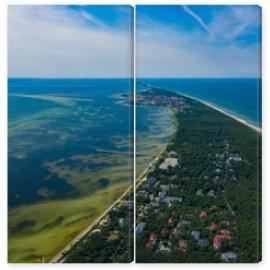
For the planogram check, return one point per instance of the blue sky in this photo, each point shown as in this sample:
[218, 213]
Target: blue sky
[198, 41]
[70, 41]
[95, 41]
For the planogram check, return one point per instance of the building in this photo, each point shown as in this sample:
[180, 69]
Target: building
[172, 154]
[203, 242]
[229, 256]
[211, 193]
[203, 214]
[121, 222]
[162, 248]
[169, 199]
[152, 180]
[196, 235]
[169, 162]
[199, 192]
[217, 242]
[140, 228]
[213, 226]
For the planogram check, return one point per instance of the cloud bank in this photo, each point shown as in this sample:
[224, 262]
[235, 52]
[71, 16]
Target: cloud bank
[58, 42]
[227, 44]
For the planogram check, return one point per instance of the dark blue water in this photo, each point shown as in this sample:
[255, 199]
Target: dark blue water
[42, 131]
[239, 96]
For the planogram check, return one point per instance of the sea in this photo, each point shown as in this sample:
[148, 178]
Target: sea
[71, 137]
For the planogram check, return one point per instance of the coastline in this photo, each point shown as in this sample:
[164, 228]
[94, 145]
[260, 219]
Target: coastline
[223, 111]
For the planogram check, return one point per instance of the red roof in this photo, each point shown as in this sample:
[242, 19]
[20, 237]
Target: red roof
[219, 237]
[149, 245]
[153, 237]
[217, 241]
[203, 214]
[170, 221]
[213, 226]
[225, 232]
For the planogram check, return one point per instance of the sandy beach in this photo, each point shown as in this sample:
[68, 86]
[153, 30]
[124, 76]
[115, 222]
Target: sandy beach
[240, 120]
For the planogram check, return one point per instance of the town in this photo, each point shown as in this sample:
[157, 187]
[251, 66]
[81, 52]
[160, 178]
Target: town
[187, 208]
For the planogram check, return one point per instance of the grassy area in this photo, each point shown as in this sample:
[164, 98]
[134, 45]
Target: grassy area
[41, 230]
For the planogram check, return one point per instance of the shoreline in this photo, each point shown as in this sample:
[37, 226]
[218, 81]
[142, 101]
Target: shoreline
[223, 111]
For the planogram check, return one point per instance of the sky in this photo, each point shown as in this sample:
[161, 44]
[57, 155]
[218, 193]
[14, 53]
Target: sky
[198, 41]
[70, 41]
[96, 41]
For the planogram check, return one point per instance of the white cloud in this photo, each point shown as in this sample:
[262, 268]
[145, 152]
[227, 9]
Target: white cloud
[166, 51]
[198, 19]
[53, 41]
[234, 21]
[89, 17]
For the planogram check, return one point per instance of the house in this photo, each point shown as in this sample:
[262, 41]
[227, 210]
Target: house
[203, 242]
[149, 245]
[162, 194]
[162, 248]
[217, 242]
[229, 256]
[183, 222]
[213, 226]
[170, 220]
[169, 162]
[121, 222]
[196, 235]
[211, 193]
[152, 237]
[172, 154]
[199, 192]
[203, 214]
[140, 228]
[235, 158]
[169, 199]
[182, 245]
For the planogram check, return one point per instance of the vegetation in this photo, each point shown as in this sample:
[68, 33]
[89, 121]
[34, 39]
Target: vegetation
[219, 173]
[110, 242]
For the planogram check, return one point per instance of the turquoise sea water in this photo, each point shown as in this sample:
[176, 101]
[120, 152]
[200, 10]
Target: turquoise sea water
[64, 136]
[61, 133]
[58, 126]
[241, 97]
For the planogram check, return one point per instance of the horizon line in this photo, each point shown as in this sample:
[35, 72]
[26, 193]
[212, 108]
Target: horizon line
[90, 78]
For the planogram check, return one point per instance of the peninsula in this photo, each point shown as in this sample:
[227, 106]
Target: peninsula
[200, 200]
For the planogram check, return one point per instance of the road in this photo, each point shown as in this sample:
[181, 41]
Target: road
[59, 256]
